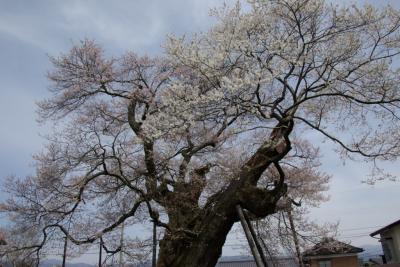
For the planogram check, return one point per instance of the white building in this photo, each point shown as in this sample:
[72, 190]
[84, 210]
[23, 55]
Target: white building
[390, 240]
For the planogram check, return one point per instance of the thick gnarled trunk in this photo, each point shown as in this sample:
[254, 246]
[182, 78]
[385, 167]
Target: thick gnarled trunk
[204, 248]
[196, 235]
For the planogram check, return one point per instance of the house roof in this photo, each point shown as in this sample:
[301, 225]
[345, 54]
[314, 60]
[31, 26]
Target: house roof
[249, 258]
[330, 246]
[236, 259]
[387, 227]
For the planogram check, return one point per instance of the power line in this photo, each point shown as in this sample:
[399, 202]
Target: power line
[242, 241]
[361, 228]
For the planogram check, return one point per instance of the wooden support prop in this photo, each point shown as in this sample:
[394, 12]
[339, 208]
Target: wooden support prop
[295, 239]
[255, 238]
[249, 237]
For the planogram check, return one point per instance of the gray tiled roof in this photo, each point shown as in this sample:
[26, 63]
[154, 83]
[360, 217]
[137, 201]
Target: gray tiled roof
[330, 246]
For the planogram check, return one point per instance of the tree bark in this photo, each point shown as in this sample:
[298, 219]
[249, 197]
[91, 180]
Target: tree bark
[205, 246]
[195, 236]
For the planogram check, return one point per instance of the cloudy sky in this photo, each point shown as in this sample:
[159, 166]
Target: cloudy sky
[30, 31]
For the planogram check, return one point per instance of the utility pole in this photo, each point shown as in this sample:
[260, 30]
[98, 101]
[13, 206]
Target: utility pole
[101, 247]
[250, 239]
[66, 243]
[154, 244]
[121, 255]
[65, 251]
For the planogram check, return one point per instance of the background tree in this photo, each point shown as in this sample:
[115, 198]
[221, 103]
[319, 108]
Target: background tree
[11, 254]
[191, 134]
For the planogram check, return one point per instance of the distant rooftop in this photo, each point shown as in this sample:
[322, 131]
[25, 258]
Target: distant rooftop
[330, 246]
[235, 258]
[248, 261]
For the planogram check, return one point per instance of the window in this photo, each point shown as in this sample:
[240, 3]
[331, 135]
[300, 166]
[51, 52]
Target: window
[324, 263]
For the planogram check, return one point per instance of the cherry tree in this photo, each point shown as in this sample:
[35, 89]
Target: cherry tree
[185, 137]
[16, 257]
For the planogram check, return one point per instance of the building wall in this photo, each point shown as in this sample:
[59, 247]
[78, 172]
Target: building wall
[348, 261]
[396, 238]
[393, 233]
